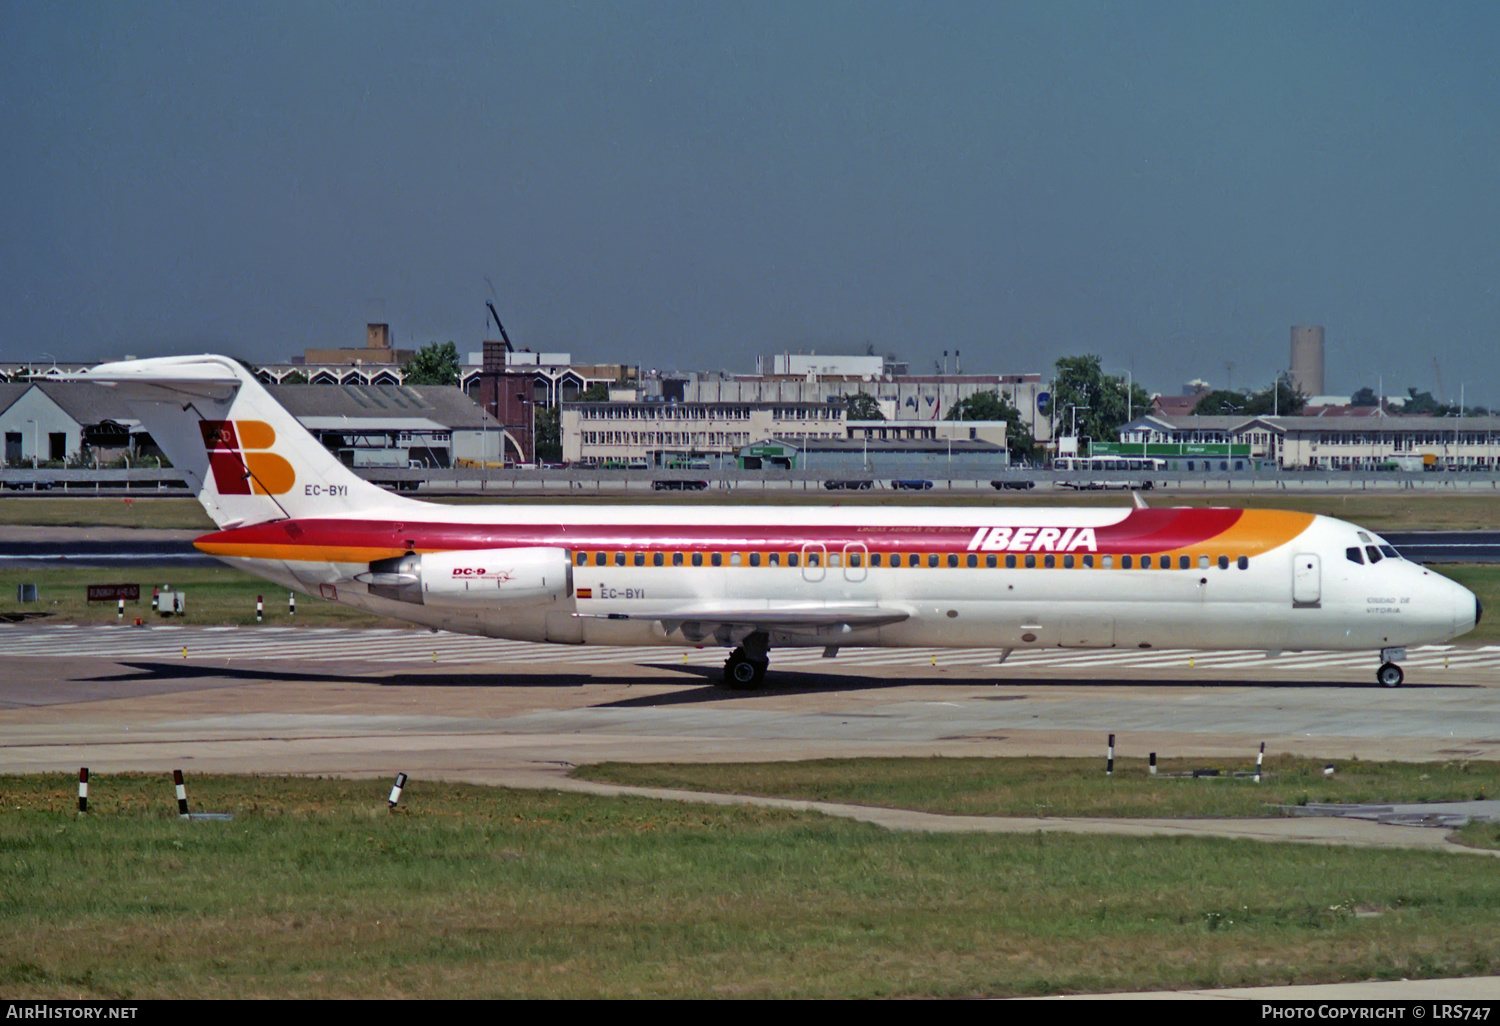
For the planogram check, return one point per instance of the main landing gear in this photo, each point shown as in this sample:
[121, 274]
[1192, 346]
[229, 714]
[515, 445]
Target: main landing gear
[746, 666]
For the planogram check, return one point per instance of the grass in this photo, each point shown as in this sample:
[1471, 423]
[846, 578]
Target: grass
[70, 511]
[1412, 510]
[313, 890]
[1068, 787]
[216, 595]
[1479, 834]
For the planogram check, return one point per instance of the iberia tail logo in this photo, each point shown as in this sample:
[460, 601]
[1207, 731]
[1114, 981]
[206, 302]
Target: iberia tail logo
[237, 453]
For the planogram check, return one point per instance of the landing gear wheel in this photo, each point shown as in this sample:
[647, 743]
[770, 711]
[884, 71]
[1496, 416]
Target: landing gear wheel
[742, 672]
[1389, 675]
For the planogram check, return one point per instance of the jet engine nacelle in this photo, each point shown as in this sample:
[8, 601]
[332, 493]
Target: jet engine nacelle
[473, 577]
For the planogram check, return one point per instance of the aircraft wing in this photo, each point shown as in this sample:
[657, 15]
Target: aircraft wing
[730, 626]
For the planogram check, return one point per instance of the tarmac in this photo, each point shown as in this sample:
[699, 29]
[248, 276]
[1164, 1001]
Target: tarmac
[373, 703]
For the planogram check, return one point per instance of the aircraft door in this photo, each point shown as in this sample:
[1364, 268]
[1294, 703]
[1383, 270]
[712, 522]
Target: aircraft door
[814, 562]
[856, 562]
[1307, 581]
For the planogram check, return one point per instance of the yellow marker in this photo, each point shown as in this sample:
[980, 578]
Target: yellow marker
[684, 659]
[1190, 662]
[184, 651]
[434, 655]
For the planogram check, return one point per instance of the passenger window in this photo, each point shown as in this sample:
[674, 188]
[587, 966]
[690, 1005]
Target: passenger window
[1030, 562]
[735, 559]
[952, 561]
[755, 559]
[582, 559]
[1223, 562]
[1107, 562]
[657, 559]
[1049, 561]
[855, 559]
[1088, 561]
[697, 559]
[990, 561]
[1125, 562]
[773, 559]
[1067, 562]
[1374, 554]
[972, 560]
[914, 560]
[812, 559]
[600, 558]
[1202, 562]
[717, 559]
[619, 559]
[835, 559]
[875, 559]
[640, 559]
[1243, 562]
[1184, 562]
[1145, 562]
[932, 559]
[1355, 556]
[1010, 562]
[676, 559]
[792, 559]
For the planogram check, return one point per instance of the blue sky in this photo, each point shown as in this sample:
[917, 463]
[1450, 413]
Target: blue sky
[1170, 185]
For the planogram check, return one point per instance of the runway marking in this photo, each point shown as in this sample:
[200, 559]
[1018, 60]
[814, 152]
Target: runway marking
[394, 645]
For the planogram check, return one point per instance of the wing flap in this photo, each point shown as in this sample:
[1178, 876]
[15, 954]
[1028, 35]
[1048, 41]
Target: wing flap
[730, 626]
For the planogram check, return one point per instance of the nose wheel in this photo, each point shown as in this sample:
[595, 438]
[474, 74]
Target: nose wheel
[1389, 675]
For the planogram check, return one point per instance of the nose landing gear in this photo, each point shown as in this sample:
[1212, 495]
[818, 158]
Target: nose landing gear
[1389, 675]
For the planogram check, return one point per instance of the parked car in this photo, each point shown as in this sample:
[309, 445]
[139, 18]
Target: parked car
[912, 485]
[678, 486]
[853, 486]
[1019, 486]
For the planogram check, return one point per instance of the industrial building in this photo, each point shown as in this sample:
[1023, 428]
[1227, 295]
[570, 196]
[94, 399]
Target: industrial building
[366, 425]
[906, 459]
[1328, 443]
[658, 434]
[59, 422]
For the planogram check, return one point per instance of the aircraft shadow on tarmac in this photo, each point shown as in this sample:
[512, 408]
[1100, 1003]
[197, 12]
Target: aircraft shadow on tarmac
[179, 672]
[779, 683]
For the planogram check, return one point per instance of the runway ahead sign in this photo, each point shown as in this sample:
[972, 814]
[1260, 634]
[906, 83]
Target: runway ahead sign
[114, 592]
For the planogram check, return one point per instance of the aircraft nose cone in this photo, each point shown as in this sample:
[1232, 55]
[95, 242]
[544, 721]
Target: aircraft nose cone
[1466, 611]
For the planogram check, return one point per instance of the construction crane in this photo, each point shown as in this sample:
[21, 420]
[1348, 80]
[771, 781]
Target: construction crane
[503, 336]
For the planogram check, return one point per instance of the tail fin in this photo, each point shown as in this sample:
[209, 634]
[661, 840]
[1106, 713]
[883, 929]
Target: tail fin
[248, 458]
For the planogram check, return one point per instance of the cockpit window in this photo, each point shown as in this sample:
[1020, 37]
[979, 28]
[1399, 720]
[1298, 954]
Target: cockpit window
[1390, 551]
[1355, 556]
[1362, 536]
[1373, 553]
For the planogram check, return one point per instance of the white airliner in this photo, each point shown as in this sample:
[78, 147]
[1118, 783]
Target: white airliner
[754, 578]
